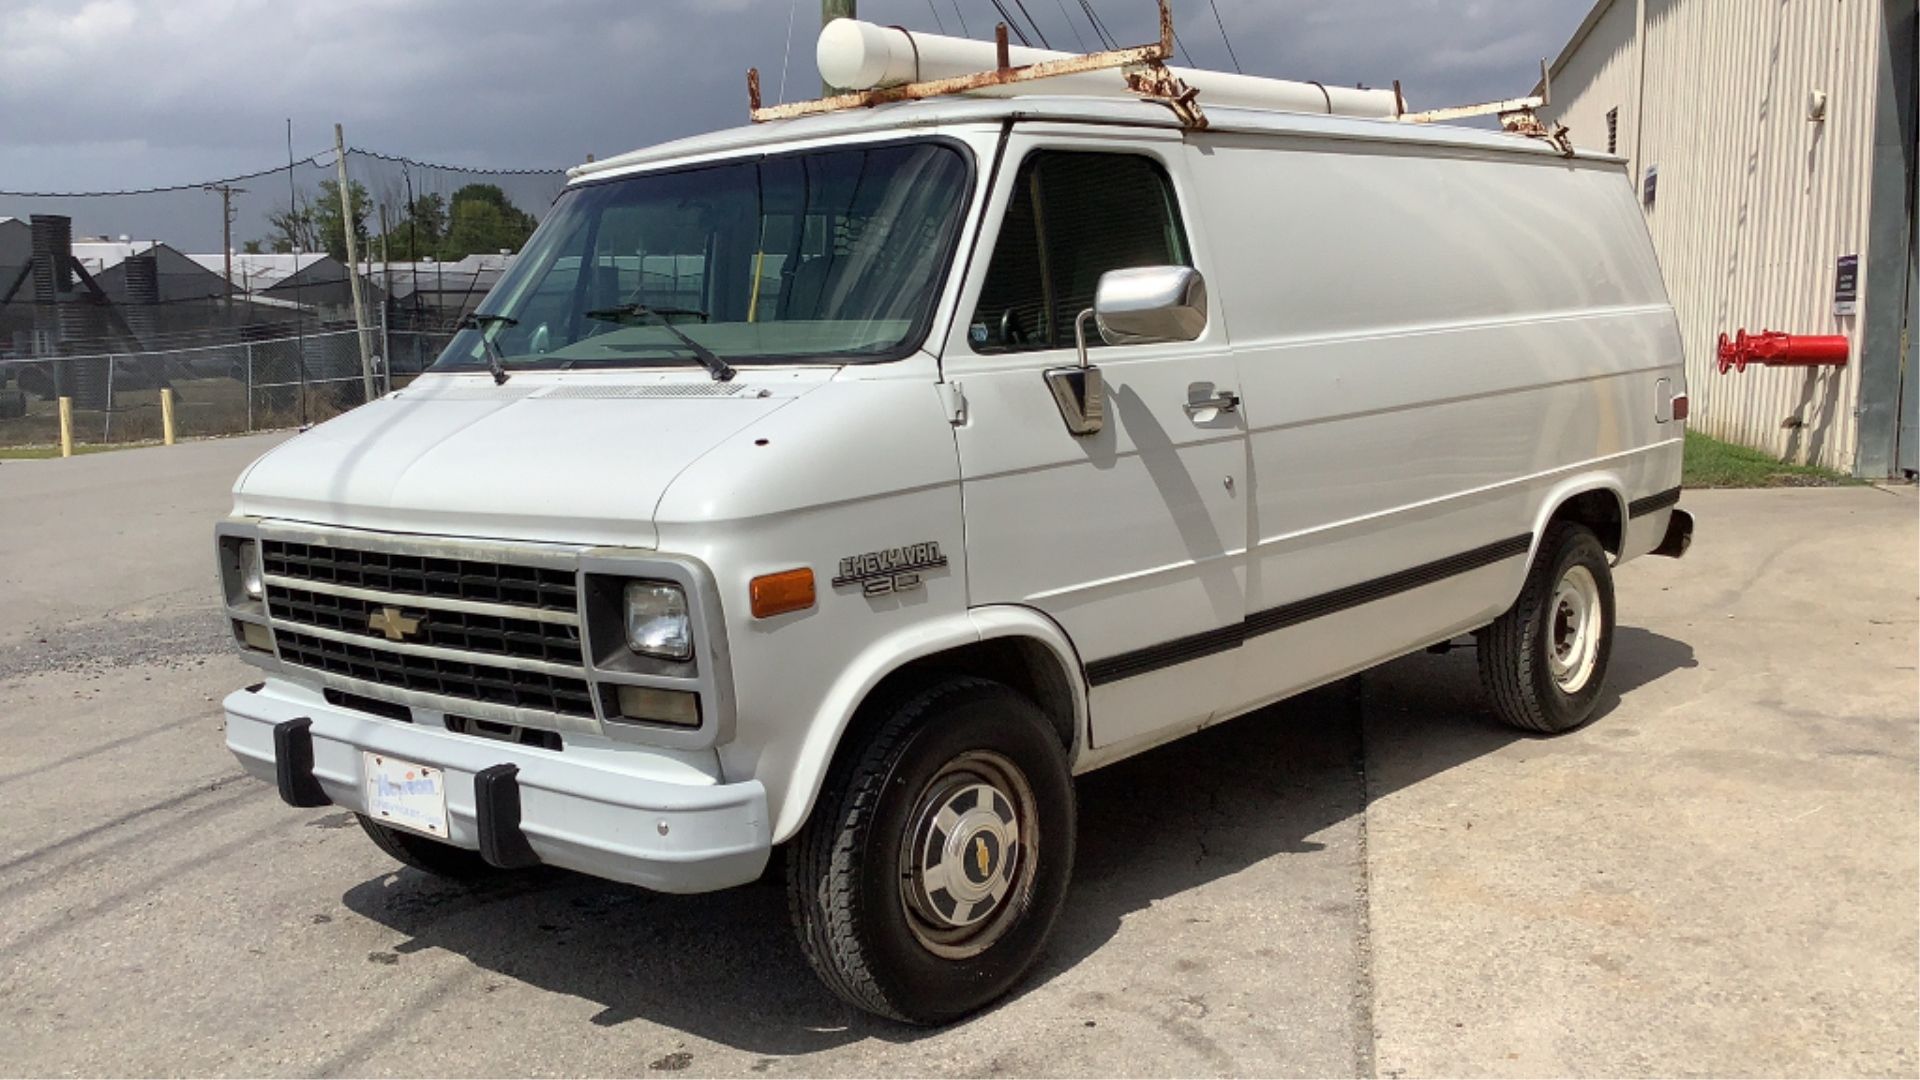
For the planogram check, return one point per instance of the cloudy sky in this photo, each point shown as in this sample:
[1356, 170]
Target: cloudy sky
[113, 94]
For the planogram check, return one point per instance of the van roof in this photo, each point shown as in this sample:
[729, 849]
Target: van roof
[945, 111]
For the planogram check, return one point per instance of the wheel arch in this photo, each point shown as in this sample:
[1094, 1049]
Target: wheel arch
[1596, 500]
[1018, 646]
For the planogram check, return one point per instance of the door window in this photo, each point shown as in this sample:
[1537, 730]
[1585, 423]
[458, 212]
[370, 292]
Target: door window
[1071, 217]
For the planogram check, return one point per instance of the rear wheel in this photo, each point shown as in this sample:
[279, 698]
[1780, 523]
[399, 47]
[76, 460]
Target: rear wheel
[426, 853]
[929, 877]
[1543, 663]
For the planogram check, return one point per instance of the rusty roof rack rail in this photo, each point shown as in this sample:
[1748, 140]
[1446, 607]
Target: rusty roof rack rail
[1148, 76]
[1517, 115]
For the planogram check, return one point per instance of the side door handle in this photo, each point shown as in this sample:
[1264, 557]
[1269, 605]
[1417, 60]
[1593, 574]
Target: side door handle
[1207, 409]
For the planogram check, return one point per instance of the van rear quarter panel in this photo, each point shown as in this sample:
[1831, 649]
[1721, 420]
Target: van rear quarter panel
[1435, 346]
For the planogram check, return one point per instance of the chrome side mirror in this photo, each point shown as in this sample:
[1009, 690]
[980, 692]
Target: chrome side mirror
[1140, 306]
[1150, 304]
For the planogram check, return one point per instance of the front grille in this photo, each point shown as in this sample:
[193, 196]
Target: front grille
[465, 631]
[425, 576]
[432, 675]
[460, 628]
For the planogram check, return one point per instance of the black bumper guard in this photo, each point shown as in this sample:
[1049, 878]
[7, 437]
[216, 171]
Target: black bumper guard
[496, 811]
[496, 795]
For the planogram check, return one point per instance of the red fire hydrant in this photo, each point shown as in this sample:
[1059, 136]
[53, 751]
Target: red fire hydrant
[1775, 349]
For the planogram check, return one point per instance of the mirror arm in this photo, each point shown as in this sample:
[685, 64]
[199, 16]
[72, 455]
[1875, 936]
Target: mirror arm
[1078, 391]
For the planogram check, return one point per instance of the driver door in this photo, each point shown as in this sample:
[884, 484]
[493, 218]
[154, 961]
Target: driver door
[1131, 538]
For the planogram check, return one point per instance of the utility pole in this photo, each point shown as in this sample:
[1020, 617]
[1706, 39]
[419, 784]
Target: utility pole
[226, 192]
[353, 262]
[386, 301]
[829, 11]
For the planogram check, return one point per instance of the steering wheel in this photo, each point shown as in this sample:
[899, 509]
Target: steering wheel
[1010, 332]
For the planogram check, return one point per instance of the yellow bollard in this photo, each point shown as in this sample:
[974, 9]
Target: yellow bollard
[166, 416]
[66, 427]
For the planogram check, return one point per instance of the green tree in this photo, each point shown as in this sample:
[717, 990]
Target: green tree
[480, 219]
[421, 230]
[292, 229]
[312, 223]
[330, 234]
[251, 247]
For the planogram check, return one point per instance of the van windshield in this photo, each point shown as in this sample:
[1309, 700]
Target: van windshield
[830, 256]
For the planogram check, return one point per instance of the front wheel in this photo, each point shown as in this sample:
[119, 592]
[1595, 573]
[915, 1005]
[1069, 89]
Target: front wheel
[936, 860]
[1544, 661]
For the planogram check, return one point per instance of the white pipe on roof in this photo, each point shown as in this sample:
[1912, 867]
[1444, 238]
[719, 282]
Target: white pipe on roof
[861, 55]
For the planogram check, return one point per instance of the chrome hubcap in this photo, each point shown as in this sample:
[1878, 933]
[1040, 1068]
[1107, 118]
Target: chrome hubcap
[967, 867]
[1575, 625]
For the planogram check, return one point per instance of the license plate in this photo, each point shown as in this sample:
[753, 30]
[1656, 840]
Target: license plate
[407, 794]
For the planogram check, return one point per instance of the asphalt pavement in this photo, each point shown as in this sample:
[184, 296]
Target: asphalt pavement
[1721, 875]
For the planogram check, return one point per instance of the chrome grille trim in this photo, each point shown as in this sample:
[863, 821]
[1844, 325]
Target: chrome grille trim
[421, 699]
[484, 636]
[446, 574]
[457, 656]
[546, 690]
[430, 603]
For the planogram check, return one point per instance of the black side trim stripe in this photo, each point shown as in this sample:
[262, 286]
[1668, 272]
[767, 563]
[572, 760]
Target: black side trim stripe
[1314, 607]
[1195, 646]
[1166, 654]
[1653, 504]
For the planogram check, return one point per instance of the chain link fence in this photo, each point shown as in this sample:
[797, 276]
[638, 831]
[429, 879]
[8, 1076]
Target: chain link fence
[224, 389]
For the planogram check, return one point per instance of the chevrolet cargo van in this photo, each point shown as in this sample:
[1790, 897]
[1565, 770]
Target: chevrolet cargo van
[836, 489]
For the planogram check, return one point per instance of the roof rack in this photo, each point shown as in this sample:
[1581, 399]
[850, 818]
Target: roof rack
[1518, 116]
[1148, 77]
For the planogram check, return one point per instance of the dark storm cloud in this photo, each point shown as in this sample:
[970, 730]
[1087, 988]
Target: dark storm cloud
[119, 94]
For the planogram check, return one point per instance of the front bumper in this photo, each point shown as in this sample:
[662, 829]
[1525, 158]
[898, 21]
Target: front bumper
[626, 814]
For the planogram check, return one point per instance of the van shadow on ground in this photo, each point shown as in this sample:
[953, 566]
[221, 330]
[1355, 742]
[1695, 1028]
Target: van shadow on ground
[724, 967]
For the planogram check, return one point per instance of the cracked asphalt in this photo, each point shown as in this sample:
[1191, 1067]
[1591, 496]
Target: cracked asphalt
[1718, 876]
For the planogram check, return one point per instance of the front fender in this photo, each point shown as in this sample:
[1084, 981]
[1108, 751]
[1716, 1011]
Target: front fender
[886, 655]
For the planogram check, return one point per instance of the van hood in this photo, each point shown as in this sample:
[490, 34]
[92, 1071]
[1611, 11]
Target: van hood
[545, 457]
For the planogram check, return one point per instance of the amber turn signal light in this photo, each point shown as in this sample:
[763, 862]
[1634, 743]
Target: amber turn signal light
[777, 594]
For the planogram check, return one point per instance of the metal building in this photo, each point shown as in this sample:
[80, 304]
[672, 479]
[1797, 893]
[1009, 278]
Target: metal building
[1773, 143]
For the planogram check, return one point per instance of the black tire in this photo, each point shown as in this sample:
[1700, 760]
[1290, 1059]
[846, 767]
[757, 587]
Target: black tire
[427, 854]
[853, 881]
[1519, 650]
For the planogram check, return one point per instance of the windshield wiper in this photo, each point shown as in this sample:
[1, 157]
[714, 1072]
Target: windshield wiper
[623, 312]
[718, 368]
[481, 321]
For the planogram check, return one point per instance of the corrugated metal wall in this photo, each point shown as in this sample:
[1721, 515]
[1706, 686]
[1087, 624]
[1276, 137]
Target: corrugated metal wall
[1754, 202]
[1597, 77]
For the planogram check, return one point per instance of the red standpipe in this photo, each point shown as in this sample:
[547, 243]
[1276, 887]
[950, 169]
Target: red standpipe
[1775, 349]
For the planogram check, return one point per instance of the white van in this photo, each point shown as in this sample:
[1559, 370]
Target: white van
[842, 486]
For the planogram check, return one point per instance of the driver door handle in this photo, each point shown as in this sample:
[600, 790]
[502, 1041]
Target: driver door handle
[1206, 409]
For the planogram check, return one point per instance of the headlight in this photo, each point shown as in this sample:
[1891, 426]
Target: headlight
[252, 580]
[657, 620]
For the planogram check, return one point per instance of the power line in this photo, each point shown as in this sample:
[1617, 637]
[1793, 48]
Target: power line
[788, 52]
[321, 159]
[962, 18]
[1012, 22]
[938, 24]
[1077, 39]
[1106, 40]
[196, 185]
[1022, 5]
[364, 152]
[1217, 21]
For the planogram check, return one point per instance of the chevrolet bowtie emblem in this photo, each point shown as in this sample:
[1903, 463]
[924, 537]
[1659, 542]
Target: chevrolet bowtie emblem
[981, 857]
[397, 625]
